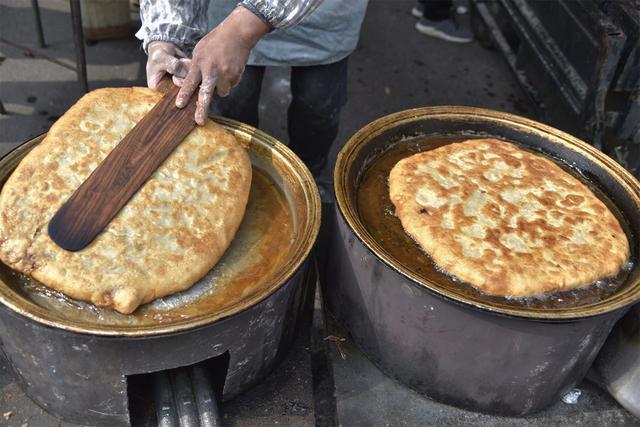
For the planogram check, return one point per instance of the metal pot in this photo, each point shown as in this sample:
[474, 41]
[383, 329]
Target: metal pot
[76, 360]
[452, 345]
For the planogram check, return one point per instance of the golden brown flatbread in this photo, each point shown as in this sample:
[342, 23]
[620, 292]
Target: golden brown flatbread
[507, 221]
[173, 230]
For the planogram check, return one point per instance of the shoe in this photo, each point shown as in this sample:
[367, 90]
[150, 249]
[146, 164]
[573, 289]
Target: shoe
[462, 10]
[447, 30]
[417, 10]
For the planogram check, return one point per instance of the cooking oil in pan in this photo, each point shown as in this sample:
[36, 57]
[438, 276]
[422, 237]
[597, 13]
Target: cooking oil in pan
[377, 213]
[248, 266]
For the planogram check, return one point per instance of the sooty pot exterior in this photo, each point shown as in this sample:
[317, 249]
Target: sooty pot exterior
[460, 355]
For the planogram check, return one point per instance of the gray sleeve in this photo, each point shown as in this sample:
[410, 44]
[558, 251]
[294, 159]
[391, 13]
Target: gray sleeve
[281, 14]
[182, 22]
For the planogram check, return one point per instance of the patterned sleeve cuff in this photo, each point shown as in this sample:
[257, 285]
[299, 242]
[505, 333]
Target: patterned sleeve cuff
[183, 37]
[182, 22]
[247, 5]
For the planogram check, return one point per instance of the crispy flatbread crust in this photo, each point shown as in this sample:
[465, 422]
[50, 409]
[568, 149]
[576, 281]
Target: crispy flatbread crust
[169, 235]
[507, 221]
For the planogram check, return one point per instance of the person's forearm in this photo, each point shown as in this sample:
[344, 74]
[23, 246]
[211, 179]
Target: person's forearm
[243, 26]
[219, 59]
[181, 22]
[280, 14]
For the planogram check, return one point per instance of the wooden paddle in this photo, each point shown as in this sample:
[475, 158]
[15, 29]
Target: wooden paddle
[119, 176]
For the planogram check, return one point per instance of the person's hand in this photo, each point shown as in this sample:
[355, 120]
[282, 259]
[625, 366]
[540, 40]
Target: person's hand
[219, 59]
[165, 57]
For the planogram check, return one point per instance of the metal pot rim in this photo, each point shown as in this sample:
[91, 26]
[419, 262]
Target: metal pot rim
[348, 209]
[307, 234]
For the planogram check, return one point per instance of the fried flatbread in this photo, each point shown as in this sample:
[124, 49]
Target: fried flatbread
[507, 221]
[171, 232]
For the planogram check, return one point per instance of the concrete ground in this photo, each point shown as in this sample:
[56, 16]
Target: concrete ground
[393, 68]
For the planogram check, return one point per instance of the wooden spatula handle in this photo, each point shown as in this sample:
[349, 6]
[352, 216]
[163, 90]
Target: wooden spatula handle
[119, 176]
[165, 85]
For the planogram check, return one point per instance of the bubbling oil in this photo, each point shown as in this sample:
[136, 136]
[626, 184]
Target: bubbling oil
[377, 214]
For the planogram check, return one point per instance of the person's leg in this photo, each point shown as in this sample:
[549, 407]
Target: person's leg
[418, 9]
[437, 10]
[318, 94]
[242, 102]
[439, 20]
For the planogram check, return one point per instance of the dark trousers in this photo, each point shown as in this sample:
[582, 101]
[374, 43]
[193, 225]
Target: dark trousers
[437, 10]
[318, 94]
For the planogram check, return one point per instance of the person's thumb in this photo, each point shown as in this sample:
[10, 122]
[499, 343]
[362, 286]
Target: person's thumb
[154, 78]
[179, 67]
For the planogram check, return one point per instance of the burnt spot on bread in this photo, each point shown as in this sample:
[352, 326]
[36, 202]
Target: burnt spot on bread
[104, 299]
[512, 161]
[29, 263]
[36, 231]
[572, 200]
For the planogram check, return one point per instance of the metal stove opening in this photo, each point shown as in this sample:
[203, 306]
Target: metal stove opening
[187, 396]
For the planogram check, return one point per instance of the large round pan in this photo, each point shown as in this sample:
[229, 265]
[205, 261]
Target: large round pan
[456, 346]
[74, 359]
